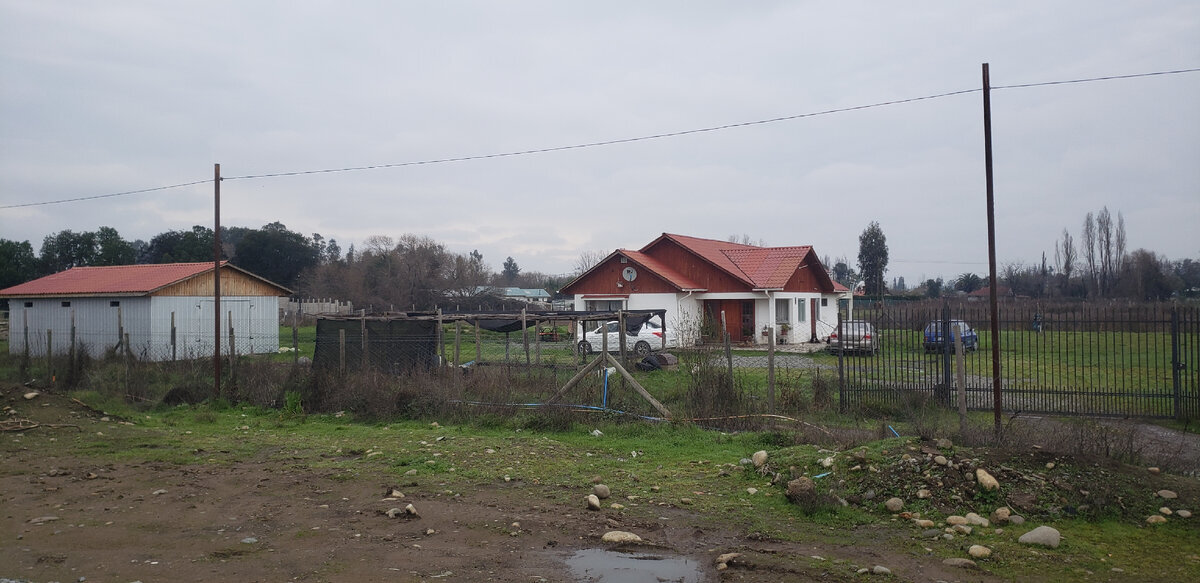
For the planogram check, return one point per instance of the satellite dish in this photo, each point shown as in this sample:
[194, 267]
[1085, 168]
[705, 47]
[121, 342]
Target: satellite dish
[629, 273]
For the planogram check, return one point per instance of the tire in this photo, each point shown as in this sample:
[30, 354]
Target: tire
[642, 348]
[584, 347]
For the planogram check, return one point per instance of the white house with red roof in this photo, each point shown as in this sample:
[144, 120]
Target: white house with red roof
[697, 280]
[157, 312]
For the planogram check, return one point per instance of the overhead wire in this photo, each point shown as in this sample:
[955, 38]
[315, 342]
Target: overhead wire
[603, 142]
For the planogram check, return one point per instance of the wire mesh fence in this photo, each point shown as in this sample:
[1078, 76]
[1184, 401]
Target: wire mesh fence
[1101, 360]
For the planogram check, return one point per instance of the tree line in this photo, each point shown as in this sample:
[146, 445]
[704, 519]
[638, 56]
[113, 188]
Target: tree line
[1097, 265]
[409, 272]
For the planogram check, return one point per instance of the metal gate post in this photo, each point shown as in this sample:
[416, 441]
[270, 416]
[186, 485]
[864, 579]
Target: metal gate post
[944, 396]
[1176, 366]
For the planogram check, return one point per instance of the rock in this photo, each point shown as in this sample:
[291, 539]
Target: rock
[962, 529]
[1049, 465]
[1167, 494]
[868, 495]
[616, 506]
[827, 462]
[943, 443]
[31, 395]
[751, 491]
[159, 492]
[1154, 471]
[408, 510]
[976, 520]
[249, 540]
[601, 491]
[723, 561]
[1183, 513]
[1165, 511]
[42, 519]
[955, 519]
[597, 433]
[620, 536]
[801, 490]
[924, 523]
[1043, 535]
[593, 502]
[979, 551]
[1001, 514]
[894, 504]
[959, 562]
[1156, 519]
[923, 494]
[941, 460]
[881, 570]
[759, 458]
[1016, 519]
[931, 533]
[986, 480]
[394, 493]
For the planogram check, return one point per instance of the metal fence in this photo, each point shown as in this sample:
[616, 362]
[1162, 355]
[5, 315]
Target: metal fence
[1101, 360]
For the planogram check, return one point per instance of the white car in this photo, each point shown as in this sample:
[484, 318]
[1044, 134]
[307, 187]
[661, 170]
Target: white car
[641, 343]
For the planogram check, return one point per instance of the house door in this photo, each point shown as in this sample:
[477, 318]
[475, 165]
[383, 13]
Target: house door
[812, 318]
[739, 319]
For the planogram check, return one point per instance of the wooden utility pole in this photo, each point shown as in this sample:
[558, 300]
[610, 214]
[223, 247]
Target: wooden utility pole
[216, 281]
[991, 217]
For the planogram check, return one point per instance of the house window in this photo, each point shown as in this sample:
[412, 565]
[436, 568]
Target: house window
[604, 305]
[782, 314]
[802, 310]
[824, 302]
[66, 304]
[114, 304]
[28, 304]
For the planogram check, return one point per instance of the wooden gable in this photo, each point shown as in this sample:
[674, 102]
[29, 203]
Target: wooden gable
[708, 276]
[606, 279]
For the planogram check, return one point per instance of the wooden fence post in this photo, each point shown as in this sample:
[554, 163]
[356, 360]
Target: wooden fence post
[232, 352]
[366, 360]
[478, 344]
[457, 341]
[49, 355]
[73, 371]
[525, 336]
[174, 337]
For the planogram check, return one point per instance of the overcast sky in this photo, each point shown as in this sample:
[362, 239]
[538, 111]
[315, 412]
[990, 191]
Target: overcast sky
[108, 97]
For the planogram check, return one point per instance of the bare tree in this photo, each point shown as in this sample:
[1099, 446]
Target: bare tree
[1064, 255]
[588, 260]
[1089, 252]
[1104, 242]
[746, 240]
[1120, 263]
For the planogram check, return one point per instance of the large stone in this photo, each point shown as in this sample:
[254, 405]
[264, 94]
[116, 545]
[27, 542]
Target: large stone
[881, 570]
[986, 480]
[923, 494]
[1043, 535]
[979, 551]
[593, 502]
[620, 536]
[1183, 513]
[894, 504]
[759, 458]
[940, 460]
[801, 489]
[1001, 514]
[601, 491]
[1016, 519]
[955, 519]
[976, 520]
[1156, 519]
[1167, 494]
[924, 523]
[959, 562]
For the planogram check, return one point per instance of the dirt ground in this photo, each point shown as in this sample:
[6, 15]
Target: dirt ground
[65, 518]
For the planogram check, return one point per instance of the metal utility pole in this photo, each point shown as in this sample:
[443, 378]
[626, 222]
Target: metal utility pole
[991, 217]
[216, 281]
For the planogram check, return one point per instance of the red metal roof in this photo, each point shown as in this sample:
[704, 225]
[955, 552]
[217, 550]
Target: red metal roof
[115, 280]
[758, 267]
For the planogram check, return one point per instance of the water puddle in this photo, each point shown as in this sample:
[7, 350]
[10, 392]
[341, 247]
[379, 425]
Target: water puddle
[604, 566]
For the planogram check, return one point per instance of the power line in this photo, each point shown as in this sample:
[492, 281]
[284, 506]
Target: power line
[610, 142]
[606, 142]
[126, 193]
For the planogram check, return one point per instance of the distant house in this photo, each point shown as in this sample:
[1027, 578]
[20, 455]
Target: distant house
[985, 293]
[157, 312]
[697, 280]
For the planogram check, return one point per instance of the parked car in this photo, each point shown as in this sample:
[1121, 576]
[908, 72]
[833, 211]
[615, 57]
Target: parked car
[645, 340]
[857, 336]
[933, 336]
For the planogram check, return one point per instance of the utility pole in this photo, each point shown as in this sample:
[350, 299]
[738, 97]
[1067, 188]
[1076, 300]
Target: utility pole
[216, 281]
[991, 218]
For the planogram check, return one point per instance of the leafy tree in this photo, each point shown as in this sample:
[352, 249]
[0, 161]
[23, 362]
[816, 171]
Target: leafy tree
[968, 282]
[1148, 276]
[511, 271]
[933, 288]
[112, 249]
[873, 258]
[18, 264]
[66, 249]
[842, 272]
[192, 246]
[276, 253]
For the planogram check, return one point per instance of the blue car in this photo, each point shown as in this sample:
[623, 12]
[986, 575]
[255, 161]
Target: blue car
[933, 336]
